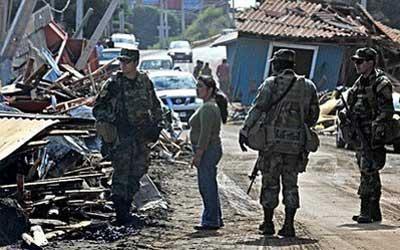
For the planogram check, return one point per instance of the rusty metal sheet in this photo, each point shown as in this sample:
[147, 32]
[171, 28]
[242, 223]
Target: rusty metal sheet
[17, 131]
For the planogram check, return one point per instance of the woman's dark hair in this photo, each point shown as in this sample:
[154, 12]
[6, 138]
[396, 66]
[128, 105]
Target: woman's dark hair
[220, 98]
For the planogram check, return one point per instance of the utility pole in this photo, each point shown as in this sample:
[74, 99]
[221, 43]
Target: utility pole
[79, 30]
[14, 35]
[364, 3]
[79, 18]
[3, 19]
[161, 27]
[96, 35]
[183, 16]
[233, 14]
[121, 17]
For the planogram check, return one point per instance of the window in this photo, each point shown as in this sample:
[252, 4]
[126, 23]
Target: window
[306, 57]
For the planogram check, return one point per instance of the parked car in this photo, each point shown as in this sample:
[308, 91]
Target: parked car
[340, 142]
[177, 90]
[121, 40]
[156, 63]
[108, 55]
[180, 51]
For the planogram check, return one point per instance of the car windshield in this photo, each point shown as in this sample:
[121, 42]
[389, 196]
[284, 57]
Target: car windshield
[173, 82]
[155, 64]
[124, 40]
[180, 44]
[109, 55]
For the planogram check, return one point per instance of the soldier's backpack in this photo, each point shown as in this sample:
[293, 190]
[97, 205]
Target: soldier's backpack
[257, 137]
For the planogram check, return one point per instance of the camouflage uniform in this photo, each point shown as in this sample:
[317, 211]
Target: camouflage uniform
[370, 101]
[128, 105]
[284, 155]
[285, 124]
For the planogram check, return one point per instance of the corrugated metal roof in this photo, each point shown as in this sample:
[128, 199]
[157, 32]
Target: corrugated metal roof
[17, 131]
[281, 18]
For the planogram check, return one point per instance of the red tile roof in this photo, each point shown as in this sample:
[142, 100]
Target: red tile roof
[291, 19]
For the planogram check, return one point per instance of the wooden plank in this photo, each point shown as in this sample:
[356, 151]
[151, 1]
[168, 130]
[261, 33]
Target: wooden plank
[29, 69]
[96, 35]
[48, 201]
[38, 236]
[48, 182]
[17, 30]
[71, 69]
[39, 73]
[57, 132]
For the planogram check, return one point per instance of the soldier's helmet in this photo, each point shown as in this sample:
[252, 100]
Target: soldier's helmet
[366, 53]
[129, 53]
[284, 55]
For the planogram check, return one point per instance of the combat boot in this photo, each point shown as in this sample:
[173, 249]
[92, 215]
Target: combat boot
[375, 209]
[364, 216]
[267, 227]
[288, 227]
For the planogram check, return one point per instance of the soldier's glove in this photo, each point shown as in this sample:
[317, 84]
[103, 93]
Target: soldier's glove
[243, 140]
[343, 117]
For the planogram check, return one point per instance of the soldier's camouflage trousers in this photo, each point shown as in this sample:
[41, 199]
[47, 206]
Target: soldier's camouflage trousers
[130, 161]
[370, 182]
[273, 168]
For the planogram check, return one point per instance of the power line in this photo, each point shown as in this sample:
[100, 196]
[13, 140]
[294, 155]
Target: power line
[58, 11]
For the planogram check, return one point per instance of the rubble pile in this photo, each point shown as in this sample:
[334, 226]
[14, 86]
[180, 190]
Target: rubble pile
[50, 160]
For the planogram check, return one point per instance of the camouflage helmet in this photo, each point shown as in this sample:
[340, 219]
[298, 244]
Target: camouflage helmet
[129, 53]
[284, 55]
[366, 53]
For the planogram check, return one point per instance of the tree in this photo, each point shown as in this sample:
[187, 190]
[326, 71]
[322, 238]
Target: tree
[146, 19]
[209, 23]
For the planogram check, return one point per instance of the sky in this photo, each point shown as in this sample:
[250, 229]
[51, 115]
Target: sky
[244, 3]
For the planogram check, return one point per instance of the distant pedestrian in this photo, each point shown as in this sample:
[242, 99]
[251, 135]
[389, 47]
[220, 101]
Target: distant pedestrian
[206, 70]
[205, 130]
[223, 77]
[197, 68]
[99, 49]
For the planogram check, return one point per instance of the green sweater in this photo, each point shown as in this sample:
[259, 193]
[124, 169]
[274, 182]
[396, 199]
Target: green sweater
[205, 125]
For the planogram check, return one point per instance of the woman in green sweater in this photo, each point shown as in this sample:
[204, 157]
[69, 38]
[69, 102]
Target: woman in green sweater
[205, 126]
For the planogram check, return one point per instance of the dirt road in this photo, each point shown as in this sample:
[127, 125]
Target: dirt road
[328, 201]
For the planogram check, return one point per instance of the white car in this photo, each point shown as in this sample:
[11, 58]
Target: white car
[180, 51]
[121, 40]
[156, 63]
[109, 54]
[177, 90]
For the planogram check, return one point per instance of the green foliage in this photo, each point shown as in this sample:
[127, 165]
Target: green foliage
[145, 20]
[209, 23]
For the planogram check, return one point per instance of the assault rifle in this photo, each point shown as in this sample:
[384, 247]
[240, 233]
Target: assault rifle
[365, 146]
[252, 177]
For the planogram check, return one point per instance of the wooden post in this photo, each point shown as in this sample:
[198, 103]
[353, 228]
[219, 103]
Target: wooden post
[79, 18]
[14, 35]
[17, 29]
[79, 30]
[96, 35]
[3, 19]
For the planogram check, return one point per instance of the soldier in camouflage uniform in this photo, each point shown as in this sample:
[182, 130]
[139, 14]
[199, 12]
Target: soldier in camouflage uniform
[370, 102]
[125, 111]
[284, 155]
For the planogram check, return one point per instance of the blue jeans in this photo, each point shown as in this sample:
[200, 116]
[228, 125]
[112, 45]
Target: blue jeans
[208, 186]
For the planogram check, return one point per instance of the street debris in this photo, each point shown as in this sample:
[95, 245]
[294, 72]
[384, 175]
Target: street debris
[54, 182]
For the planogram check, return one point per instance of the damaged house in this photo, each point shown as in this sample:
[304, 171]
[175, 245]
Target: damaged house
[324, 37]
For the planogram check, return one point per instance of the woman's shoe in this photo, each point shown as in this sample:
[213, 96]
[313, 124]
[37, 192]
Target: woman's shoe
[205, 227]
